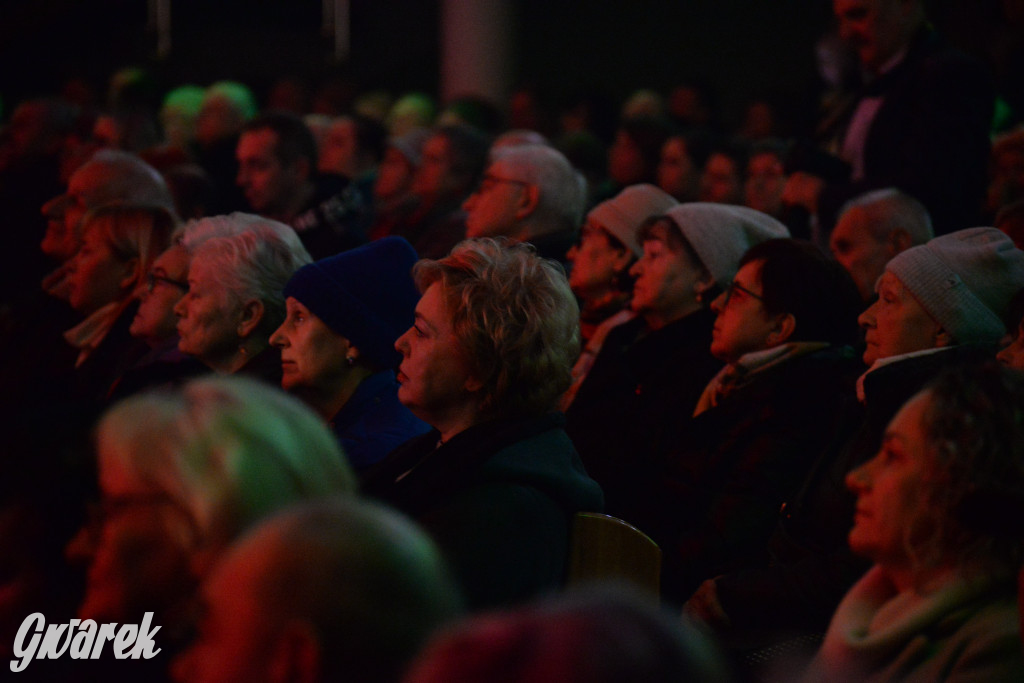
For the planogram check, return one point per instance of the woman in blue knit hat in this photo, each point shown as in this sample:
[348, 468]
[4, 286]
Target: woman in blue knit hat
[337, 345]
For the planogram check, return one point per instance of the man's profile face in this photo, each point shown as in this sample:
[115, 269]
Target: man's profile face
[856, 249]
[493, 208]
[266, 182]
[64, 212]
[874, 29]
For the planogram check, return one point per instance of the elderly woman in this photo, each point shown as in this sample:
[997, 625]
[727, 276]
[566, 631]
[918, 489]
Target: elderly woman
[651, 370]
[498, 480]
[235, 299]
[183, 473]
[608, 247]
[119, 243]
[938, 513]
[337, 345]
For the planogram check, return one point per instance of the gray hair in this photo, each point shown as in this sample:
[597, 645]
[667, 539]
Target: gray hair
[227, 450]
[130, 179]
[562, 189]
[891, 209]
[250, 257]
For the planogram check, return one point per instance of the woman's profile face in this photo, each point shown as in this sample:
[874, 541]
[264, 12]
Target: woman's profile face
[208, 319]
[889, 487]
[97, 276]
[596, 263]
[434, 377]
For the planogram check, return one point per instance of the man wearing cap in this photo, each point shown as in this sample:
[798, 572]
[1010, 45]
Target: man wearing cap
[939, 304]
[653, 369]
[337, 345]
[529, 193]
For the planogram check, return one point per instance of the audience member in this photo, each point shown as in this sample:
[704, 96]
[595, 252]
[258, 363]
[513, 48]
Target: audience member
[453, 160]
[920, 324]
[498, 480]
[937, 514]
[234, 300]
[634, 154]
[652, 370]
[782, 328]
[681, 165]
[337, 345]
[323, 592]
[765, 177]
[393, 199]
[600, 278]
[183, 473]
[591, 637]
[872, 229]
[916, 91]
[721, 182]
[529, 193]
[226, 107]
[120, 242]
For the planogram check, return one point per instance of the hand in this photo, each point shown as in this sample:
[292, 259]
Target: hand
[703, 606]
[803, 189]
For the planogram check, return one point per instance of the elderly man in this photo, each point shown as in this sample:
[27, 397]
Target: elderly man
[872, 229]
[529, 193]
[920, 121]
[110, 176]
[321, 593]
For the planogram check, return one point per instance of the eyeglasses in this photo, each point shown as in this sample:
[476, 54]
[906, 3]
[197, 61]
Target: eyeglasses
[737, 287]
[488, 182]
[152, 279]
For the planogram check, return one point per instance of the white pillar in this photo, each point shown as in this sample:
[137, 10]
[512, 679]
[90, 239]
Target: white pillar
[476, 37]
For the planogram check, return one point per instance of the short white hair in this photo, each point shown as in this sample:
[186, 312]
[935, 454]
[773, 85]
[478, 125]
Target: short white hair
[255, 262]
[892, 209]
[562, 189]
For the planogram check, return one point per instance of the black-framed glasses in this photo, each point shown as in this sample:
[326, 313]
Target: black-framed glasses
[737, 287]
[152, 279]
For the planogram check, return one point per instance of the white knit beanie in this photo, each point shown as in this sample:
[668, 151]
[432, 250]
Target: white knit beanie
[623, 214]
[722, 233]
[964, 280]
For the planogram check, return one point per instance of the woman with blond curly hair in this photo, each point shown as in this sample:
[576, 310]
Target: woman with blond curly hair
[497, 481]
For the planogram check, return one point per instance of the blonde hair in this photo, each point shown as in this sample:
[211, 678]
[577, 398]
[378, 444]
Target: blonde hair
[514, 316]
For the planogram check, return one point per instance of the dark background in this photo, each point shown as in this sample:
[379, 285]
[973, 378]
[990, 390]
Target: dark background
[740, 47]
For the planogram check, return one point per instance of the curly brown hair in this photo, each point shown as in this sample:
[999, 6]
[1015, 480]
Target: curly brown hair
[971, 511]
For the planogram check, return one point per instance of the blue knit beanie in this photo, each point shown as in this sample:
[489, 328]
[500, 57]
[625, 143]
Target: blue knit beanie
[366, 295]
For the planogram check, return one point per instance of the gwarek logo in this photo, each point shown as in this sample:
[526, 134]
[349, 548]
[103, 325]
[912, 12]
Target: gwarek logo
[130, 641]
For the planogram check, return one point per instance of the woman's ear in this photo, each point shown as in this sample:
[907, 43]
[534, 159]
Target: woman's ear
[252, 315]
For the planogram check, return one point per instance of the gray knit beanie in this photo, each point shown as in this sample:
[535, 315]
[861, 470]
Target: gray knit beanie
[964, 280]
[722, 233]
[623, 214]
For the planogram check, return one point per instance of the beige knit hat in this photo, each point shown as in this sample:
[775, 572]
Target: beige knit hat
[722, 233]
[964, 280]
[623, 214]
